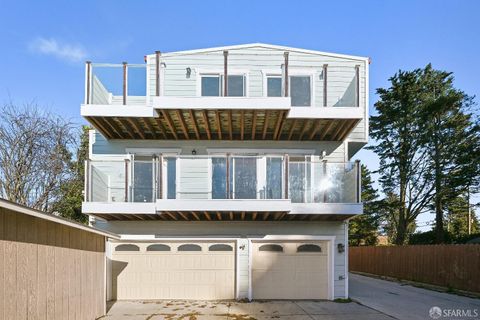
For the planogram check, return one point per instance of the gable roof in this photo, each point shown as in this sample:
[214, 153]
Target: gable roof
[263, 45]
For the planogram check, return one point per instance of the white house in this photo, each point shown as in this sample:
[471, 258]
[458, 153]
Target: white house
[226, 171]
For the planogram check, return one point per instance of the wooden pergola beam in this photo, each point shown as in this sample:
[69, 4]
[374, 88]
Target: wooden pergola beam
[207, 215]
[327, 129]
[219, 124]
[110, 128]
[183, 215]
[207, 124]
[114, 126]
[170, 124]
[242, 123]
[277, 126]
[150, 128]
[230, 125]
[195, 215]
[171, 215]
[254, 123]
[292, 129]
[195, 124]
[306, 124]
[136, 126]
[161, 127]
[182, 124]
[315, 129]
[127, 127]
[265, 125]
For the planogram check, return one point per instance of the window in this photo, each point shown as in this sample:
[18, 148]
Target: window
[274, 86]
[143, 179]
[220, 247]
[271, 248]
[127, 247]
[219, 178]
[211, 86]
[236, 86]
[171, 178]
[300, 91]
[158, 247]
[309, 248]
[274, 178]
[189, 247]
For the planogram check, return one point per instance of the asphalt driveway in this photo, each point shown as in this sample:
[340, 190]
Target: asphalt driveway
[403, 301]
[223, 310]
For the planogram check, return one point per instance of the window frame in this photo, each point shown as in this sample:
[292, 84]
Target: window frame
[220, 72]
[296, 72]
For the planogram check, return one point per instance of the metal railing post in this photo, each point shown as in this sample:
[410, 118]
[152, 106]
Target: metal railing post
[125, 82]
[157, 73]
[228, 177]
[325, 76]
[285, 80]
[286, 176]
[88, 81]
[160, 177]
[127, 162]
[324, 175]
[225, 73]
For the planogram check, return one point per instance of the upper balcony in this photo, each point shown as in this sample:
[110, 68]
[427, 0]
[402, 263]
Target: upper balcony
[178, 100]
[221, 187]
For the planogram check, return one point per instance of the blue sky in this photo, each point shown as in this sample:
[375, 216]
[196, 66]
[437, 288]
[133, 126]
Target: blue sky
[45, 43]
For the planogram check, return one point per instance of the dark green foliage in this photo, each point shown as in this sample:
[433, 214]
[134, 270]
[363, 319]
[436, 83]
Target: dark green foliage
[69, 204]
[363, 229]
[428, 143]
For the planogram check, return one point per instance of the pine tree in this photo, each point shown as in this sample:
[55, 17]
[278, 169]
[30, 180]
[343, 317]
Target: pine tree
[363, 229]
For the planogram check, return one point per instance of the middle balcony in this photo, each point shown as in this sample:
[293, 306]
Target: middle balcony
[220, 187]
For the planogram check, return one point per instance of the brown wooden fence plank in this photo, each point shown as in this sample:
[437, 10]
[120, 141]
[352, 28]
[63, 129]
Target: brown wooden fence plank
[444, 265]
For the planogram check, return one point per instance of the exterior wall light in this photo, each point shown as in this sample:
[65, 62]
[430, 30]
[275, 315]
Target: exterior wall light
[189, 72]
[341, 248]
[194, 152]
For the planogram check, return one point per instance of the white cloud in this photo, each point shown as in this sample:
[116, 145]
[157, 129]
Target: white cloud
[64, 51]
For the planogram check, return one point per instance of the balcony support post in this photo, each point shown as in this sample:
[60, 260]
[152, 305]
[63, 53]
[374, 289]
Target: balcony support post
[228, 176]
[225, 73]
[160, 176]
[285, 80]
[88, 82]
[125, 67]
[286, 176]
[127, 162]
[358, 168]
[157, 73]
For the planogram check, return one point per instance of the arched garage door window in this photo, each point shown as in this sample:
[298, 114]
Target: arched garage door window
[271, 248]
[158, 247]
[189, 247]
[309, 248]
[127, 247]
[220, 247]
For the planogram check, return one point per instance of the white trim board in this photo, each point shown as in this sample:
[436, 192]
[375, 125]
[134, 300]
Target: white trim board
[262, 45]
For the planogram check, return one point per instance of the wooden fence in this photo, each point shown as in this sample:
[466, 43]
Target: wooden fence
[455, 266]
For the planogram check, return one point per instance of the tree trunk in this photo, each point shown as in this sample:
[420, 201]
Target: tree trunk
[439, 232]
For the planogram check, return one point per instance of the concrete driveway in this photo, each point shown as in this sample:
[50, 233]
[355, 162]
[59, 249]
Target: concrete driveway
[403, 301]
[223, 310]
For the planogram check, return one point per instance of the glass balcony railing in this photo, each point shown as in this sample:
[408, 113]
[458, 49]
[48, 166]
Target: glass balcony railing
[222, 177]
[117, 84]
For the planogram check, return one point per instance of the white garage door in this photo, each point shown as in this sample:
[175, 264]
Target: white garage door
[290, 270]
[173, 270]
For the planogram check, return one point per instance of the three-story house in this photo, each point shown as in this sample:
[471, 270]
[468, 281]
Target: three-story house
[227, 171]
